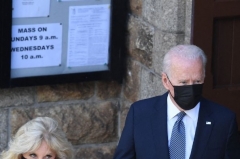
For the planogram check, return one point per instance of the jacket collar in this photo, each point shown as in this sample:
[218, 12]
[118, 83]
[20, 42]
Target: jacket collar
[159, 127]
[203, 130]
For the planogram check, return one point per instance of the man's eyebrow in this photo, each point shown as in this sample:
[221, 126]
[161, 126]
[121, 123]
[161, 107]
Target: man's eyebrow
[182, 80]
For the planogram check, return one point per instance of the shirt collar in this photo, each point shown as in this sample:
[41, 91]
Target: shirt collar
[173, 110]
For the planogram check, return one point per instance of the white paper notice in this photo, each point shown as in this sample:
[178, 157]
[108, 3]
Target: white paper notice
[88, 35]
[36, 45]
[30, 8]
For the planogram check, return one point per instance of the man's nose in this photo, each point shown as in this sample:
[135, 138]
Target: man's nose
[190, 83]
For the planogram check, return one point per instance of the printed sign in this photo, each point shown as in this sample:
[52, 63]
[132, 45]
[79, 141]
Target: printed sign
[30, 8]
[36, 45]
[88, 35]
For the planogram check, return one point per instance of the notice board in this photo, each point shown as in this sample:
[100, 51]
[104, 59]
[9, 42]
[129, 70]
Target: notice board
[60, 41]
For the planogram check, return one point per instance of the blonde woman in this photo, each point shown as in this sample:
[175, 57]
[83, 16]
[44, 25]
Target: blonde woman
[40, 138]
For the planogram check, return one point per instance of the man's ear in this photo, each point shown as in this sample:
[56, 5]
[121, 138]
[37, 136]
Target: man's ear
[165, 81]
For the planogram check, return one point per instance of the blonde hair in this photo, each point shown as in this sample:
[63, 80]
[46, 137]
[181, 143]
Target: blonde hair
[30, 136]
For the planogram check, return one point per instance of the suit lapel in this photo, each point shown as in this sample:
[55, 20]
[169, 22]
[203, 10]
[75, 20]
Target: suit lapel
[203, 130]
[159, 127]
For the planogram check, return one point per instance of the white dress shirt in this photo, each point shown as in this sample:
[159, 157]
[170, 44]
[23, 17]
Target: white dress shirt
[189, 120]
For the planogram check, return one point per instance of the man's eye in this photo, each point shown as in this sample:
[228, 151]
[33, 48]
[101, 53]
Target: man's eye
[183, 83]
[198, 82]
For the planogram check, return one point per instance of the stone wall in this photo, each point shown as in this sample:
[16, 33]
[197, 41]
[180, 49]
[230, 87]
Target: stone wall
[87, 113]
[154, 27]
[92, 114]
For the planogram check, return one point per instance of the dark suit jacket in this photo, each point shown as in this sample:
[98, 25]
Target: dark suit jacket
[145, 133]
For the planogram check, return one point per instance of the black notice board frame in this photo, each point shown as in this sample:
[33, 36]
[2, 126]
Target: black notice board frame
[5, 43]
[117, 49]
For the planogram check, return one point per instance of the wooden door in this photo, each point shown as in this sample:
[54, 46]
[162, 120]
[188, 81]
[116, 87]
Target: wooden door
[216, 29]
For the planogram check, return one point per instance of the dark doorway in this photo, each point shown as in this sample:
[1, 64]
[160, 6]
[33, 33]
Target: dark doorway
[216, 29]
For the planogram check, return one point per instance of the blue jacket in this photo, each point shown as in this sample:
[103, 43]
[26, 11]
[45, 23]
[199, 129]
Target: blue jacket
[145, 133]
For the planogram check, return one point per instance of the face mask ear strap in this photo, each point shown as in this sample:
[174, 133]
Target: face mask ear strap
[168, 79]
[170, 94]
[170, 83]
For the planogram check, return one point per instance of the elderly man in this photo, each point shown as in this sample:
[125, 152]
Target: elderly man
[180, 124]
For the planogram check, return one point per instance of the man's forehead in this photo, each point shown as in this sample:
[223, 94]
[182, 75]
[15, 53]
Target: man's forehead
[189, 67]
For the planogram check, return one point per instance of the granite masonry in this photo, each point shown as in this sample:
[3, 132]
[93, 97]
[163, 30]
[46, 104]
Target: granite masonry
[92, 114]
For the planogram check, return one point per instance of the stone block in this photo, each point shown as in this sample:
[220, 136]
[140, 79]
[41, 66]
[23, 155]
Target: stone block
[3, 129]
[188, 19]
[73, 91]
[151, 84]
[136, 7]
[108, 89]
[173, 16]
[163, 41]
[102, 151]
[132, 82]
[93, 122]
[124, 111]
[16, 96]
[187, 40]
[140, 41]
[152, 11]
[167, 15]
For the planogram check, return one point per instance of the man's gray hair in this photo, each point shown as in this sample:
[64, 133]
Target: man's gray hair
[185, 51]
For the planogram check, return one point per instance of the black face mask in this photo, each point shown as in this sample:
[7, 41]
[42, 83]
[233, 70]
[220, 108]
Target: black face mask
[187, 96]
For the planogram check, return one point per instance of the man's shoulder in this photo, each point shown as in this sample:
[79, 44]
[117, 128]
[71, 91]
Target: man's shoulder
[150, 102]
[216, 107]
